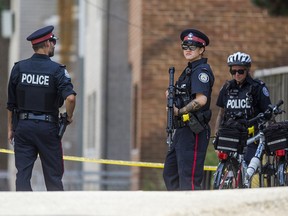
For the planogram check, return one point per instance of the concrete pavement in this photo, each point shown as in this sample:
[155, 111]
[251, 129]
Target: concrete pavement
[263, 201]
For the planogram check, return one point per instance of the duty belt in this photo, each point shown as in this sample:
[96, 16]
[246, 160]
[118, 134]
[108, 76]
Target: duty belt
[180, 124]
[42, 117]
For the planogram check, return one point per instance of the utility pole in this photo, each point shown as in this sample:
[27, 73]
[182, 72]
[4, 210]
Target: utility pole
[4, 44]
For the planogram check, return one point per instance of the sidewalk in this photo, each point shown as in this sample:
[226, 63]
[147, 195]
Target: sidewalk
[262, 202]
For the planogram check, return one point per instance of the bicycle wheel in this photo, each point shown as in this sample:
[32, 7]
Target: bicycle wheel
[225, 176]
[217, 175]
[282, 173]
[240, 183]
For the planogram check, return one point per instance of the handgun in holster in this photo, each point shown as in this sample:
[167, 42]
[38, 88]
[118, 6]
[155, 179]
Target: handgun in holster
[15, 119]
[63, 122]
[193, 122]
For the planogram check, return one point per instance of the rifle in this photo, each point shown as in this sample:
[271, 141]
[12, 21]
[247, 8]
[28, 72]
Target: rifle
[62, 124]
[170, 106]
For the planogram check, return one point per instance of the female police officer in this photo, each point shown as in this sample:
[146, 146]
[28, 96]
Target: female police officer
[241, 94]
[37, 88]
[183, 169]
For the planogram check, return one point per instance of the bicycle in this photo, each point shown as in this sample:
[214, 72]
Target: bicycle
[229, 173]
[271, 146]
[276, 136]
[282, 171]
[231, 170]
[230, 142]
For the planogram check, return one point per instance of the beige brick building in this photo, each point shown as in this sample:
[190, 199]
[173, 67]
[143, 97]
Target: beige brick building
[154, 46]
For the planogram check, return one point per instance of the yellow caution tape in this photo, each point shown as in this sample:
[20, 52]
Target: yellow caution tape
[113, 162]
[6, 151]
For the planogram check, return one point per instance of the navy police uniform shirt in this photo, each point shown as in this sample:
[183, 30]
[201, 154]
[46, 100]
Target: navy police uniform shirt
[201, 79]
[38, 84]
[252, 97]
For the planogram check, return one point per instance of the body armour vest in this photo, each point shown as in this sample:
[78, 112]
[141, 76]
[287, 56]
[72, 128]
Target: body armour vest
[36, 89]
[183, 87]
[239, 101]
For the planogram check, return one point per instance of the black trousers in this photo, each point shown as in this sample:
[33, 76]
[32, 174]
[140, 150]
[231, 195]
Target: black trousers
[250, 152]
[184, 164]
[33, 137]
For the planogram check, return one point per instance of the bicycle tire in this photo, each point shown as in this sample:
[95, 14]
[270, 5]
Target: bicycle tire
[240, 177]
[217, 175]
[282, 173]
[225, 176]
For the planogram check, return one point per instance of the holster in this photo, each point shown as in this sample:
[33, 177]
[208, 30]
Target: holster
[204, 116]
[195, 125]
[15, 119]
[62, 124]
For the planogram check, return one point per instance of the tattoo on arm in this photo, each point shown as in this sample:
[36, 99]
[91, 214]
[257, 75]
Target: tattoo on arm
[191, 107]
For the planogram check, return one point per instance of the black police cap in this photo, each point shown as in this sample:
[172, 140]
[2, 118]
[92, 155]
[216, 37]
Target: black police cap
[195, 37]
[41, 35]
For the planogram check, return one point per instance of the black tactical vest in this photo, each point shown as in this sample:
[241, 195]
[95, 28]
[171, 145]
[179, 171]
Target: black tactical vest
[183, 87]
[36, 89]
[239, 100]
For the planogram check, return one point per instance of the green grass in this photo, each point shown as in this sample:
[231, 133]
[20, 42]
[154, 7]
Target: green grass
[211, 157]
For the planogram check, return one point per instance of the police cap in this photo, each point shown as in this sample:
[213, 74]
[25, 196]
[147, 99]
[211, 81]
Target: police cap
[41, 35]
[194, 37]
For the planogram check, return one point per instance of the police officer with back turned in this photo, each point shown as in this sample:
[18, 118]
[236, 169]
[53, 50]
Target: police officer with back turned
[37, 88]
[184, 164]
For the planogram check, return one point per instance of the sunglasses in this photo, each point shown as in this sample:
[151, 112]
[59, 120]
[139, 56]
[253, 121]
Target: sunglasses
[186, 47]
[53, 41]
[240, 71]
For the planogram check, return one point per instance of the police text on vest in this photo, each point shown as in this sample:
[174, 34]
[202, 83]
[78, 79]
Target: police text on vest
[35, 79]
[238, 103]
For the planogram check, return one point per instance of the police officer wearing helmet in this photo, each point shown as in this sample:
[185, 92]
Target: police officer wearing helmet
[37, 88]
[242, 94]
[184, 164]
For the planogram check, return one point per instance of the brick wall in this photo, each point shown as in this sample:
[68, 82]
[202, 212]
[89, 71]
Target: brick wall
[232, 26]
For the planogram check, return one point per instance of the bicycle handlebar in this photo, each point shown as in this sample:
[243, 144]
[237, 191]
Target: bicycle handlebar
[267, 115]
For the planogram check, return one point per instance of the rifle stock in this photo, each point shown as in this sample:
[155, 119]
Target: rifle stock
[170, 106]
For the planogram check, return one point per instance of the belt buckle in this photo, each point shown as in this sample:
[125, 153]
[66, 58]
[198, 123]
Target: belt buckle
[26, 115]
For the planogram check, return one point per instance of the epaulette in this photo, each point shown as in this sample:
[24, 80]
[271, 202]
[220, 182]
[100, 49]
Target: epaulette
[204, 69]
[229, 84]
[62, 65]
[259, 81]
[16, 63]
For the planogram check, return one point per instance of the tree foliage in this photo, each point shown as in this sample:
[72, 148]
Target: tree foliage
[274, 7]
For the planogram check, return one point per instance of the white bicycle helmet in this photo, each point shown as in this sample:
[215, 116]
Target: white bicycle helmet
[239, 58]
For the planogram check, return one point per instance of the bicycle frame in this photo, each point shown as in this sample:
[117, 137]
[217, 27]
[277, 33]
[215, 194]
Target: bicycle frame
[231, 169]
[268, 170]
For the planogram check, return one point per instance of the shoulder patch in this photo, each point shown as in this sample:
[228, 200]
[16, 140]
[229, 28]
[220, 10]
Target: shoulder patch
[203, 77]
[67, 74]
[265, 91]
